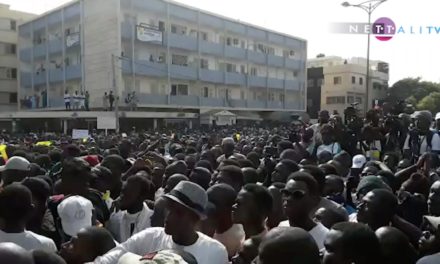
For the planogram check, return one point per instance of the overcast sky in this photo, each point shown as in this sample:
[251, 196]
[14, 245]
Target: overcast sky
[409, 55]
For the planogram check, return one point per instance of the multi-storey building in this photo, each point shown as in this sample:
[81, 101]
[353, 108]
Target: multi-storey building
[9, 21]
[343, 82]
[176, 58]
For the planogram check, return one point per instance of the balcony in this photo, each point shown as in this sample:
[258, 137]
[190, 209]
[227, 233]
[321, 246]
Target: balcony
[73, 72]
[40, 78]
[72, 11]
[256, 104]
[235, 53]
[40, 50]
[275, 105]
[293, 105]
[257, 81]
[211, 48]
[56, 75]
[25, 79]
[292, 85]
[235, 79]
[212, 102]
[256, 57]
[182, 42]
[211, 76]
[148, 99]
[126, 66]
[56, 102]
[26, 55]
[236, 103]
[183, 72]
[275, 83]
[184, 100]
[55, 46]
[276, 61]
[149, 68]
[293, 64]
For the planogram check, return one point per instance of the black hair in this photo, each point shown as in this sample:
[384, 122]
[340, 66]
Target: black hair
[308, 179]
[39, 188]
[204, 164]
[359, 243]
[318, 174]
[388, 200]
[201, 176]
[291, 165]
[71, 151]
[262, 196]
[254, 157]
[289, 154]
[44, 161]
[389, 178]
[328, 169]
[103, 238]
[44, 257]
[176, 167]
[75, 168]
[234, 172]
[15, 202]
[114, 160]
[102, 172]
[250, 175]
[285, 144]
[147, 188]
[230, 162]
[245, 163]
[222, 195]
[55, 155]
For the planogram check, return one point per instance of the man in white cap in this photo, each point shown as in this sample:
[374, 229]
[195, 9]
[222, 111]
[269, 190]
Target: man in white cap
[15, 170]
[162, 257]
[228, 147]
[75, 213]
[186, 205]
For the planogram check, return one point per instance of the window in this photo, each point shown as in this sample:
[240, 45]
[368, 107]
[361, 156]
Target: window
[295, 74]
[243, 69]
[254, 95]
[335, 100]
[254, 71]
[353, 79]
[231, 67]
[319, 82]
[288, 53]
[236, 42]
[179, 89]
[242, 95]
[243, 44]
[204, 36]
[337, 80]
[359, 100]
[7, 48]
[311, 83]
[350, 99]
[13, 25]
[361, 81]
[13, 98]
[270, 50]
[161, 26]
[8, 73]
[204, 64]
[271, 96]
[205, 92]
[227, 94]
[177, 29]
[228, 41]
[377, 86]
[281, 97]
[181, 60]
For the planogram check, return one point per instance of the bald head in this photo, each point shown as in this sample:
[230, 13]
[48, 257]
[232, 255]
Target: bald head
[396, 246]
[11, 253]
[288, 245]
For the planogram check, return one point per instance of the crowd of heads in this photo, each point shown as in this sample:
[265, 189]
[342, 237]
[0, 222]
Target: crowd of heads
[324, 193]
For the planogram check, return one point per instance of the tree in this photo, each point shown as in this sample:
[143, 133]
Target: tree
[412, 87]
[430, 102]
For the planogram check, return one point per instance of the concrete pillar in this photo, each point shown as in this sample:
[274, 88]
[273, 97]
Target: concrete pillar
[155, 123]
[65, 123]
[190, 124]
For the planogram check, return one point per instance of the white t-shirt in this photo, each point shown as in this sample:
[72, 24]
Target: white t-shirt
[435, 143]
[333, 148]
[431, 259]
[206, 250]
[232, 239]
[319, 232]
[29, 241]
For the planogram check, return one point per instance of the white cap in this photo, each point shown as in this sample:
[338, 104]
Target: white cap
[437, 116]
[75, 213]
[164, 256]
[16, 163]
[359, 161]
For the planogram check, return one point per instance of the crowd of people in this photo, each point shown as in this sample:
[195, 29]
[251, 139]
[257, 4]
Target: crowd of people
[332, 192]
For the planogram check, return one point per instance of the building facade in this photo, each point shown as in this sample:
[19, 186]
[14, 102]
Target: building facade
[9, 21]
[315, 78]
[175, 57]
[344, 83]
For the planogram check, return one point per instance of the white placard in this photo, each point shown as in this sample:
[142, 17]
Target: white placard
[146, 34]
[106, 122]
[80, 133]
[72, 40]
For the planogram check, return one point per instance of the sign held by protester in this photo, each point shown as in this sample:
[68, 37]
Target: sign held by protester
[80, 133]
[106, 122]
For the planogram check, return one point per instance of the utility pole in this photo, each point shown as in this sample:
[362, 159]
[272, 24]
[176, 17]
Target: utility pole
[116, 91]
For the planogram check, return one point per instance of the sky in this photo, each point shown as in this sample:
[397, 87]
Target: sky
[409, 55]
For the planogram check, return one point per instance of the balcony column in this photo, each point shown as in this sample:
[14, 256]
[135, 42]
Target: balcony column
[14, 126]
[155, 123]
[190, 125]
[65, 123]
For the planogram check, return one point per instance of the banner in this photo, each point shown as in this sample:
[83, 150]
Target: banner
[80, 133]
[72, 40]
[147, 34]
[3, 153]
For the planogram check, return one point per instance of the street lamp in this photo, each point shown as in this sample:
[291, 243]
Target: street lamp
[369, 7]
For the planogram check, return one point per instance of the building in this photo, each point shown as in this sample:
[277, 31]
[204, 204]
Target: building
[179, 60]
[9, 21]
[315, 78]
[344, 83]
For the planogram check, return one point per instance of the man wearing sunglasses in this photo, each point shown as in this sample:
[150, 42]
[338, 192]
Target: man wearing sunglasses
[300, 196]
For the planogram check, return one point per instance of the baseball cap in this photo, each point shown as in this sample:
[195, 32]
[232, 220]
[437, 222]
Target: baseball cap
[75, 213]
[437, 116]
[161, 257]
[359, 161]
[434, 221]
[16, 163]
